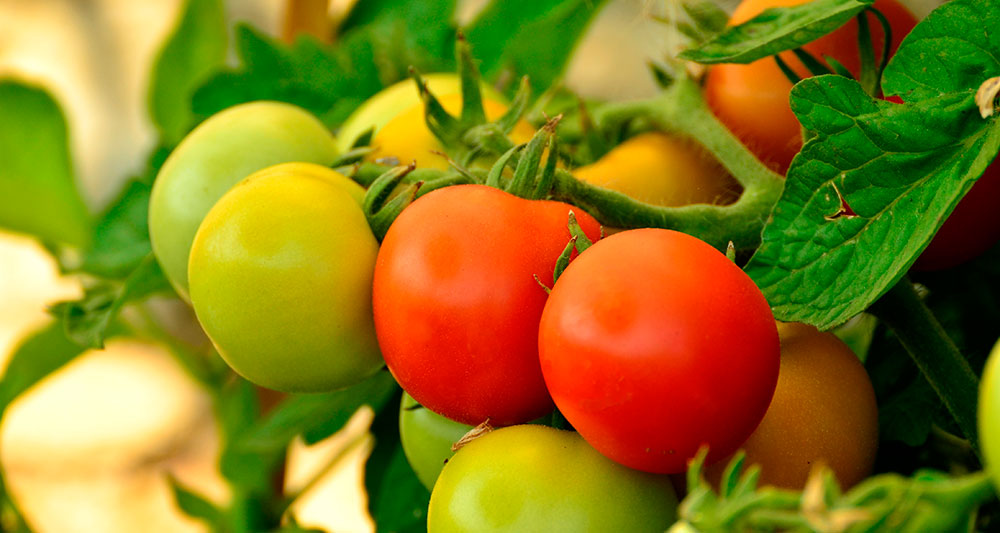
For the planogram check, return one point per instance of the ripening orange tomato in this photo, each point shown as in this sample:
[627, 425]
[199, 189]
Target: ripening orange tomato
[752, 100]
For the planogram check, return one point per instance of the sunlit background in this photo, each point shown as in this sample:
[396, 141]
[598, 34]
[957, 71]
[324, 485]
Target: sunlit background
[89, 448]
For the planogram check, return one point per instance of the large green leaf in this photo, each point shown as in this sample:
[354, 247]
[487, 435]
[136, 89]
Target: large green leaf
[38, 195]
[901, 169]
[776, 30]
[121, 236]
[195, 49]
[530, 37]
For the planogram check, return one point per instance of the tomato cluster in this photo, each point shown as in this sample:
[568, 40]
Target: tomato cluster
[494, 310]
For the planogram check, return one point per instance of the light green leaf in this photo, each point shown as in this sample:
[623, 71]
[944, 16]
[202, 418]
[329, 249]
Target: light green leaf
[38, 195]
[194, 50]
[776, 30]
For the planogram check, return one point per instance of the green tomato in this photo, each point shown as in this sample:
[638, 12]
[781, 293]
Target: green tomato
[427, 438]
[281, 279]
[989, 415]
[536, 478]
[216, 155]
[395, 99]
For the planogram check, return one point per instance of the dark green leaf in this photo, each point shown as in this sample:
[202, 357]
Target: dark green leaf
[315, 416]
[376, 48]
[949, 51]
[420, 33]
[776, 30]
[38, 356]
[38, 195]
[194, 50]
[121, 237]
[397, 500]
[196, 506]
[87, 320]
[900, 168]
[530, 37]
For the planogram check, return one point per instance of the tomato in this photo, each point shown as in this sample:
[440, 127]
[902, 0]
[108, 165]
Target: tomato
[457, 304]
[536, 478]
[281, 272]
[407, 137]
[662, 169]
[971, 229]
[989, 415]
[427, 438]
[823, 411]
[216, 155]
[653, 343]
[397, 98]
[752, 100]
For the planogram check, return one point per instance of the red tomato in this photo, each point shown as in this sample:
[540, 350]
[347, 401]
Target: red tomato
[752, 100]
[971, 229]
[653, 343]
[457, 305]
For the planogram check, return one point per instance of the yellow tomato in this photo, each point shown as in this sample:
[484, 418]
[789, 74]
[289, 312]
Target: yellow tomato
[661, 169]
[407, 137]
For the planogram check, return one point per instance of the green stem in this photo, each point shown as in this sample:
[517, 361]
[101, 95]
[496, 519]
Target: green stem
[682, 109]
[934, 353]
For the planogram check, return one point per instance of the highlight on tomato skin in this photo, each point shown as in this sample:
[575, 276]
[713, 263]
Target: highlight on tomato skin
[653, 343]
[752, 100]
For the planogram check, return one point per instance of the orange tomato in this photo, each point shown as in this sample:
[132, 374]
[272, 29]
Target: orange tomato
[752, 100]
[823, 411]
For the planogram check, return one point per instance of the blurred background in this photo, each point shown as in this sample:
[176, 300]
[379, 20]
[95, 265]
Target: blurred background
[90, 447]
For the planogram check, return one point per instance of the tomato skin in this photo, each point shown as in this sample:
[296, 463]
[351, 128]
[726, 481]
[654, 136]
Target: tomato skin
[407, 138]
[823, 411]
[217, 154]
[536, 478]
[662, 169]
[971, 229]
[653, 343]
[989, 416]
[427, 438]
[397, 98]
[281, 273]
[457, 304]
[752, 100]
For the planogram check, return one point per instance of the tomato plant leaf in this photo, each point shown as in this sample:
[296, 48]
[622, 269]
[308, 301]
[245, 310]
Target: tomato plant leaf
[865, 195]
[38, 194]
[121, 236]
[194, 50]
[949, 51]
[314, 416]
[397, 500]
[38, 355]
[529, 37]
[87, 320]
[776, 30]
[197, 506]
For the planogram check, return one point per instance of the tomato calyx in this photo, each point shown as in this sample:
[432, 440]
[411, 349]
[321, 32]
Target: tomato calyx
[531, 180]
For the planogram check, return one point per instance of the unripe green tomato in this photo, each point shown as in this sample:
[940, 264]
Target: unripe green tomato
[281, 279]
[989, 415]
[220, 152]
[536, 478]
[393, 100]
[427, 438]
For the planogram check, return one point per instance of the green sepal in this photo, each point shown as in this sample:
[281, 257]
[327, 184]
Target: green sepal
[380, 206]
